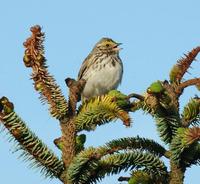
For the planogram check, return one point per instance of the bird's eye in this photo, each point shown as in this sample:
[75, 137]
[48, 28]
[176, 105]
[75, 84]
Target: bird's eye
[107, 45]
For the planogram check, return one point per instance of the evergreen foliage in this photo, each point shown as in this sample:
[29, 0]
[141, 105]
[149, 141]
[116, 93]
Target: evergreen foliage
[141, 157]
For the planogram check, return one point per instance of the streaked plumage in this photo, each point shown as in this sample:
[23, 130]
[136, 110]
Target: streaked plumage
[102, 69]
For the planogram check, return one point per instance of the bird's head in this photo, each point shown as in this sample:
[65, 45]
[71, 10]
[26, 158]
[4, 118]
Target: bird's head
[107, 45]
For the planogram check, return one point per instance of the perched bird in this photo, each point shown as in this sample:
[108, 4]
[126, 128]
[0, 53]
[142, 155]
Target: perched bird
[102, 69]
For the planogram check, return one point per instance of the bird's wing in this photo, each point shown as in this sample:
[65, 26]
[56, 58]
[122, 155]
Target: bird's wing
[84, 67]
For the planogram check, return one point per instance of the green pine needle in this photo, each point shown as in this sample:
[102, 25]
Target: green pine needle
[98, 111]
[132, 143]
[191, 112]
[182, 66]
[184, 141]
[142, 177]
[115, 163]
[167, 127]
[33, 149]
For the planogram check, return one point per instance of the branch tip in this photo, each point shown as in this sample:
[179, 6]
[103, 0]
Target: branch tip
[134, 95]
[183, 85]
[122, 178]
[35, 29]
[182, 66]
[44, 83]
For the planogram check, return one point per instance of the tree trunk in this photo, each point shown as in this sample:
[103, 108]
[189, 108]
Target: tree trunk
[68, 126]
[177, 174]
[68, 139]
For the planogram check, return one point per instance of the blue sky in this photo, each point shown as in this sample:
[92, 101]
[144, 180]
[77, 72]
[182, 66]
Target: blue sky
[154, 35]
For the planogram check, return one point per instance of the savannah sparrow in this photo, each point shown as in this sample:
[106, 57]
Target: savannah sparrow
[102, 69]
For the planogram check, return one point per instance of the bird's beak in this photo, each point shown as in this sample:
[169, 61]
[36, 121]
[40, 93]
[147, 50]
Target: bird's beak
[116, 48]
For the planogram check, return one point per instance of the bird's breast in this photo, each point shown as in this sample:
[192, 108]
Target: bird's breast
[104, 77]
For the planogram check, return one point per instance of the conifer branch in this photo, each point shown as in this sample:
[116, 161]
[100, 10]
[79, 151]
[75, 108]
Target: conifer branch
[185, 84]
[134, 95]
[196, 155]
[98, 111]
[80, 164]
[89, 158]
[123, 178]
[162, 103]
[190, 155]
[140, 176]
[163, 108]
[192, 135]
[44, 83]
[33, 149]
[178, 145]
[139, 155]
[113, 164]
[167, 127]
[178, 70]
[136, 105]
[191, 112]
[182, 142]
[177, 173]
[67, 124]
[123, 101]
[133, 143]
[80, 140]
